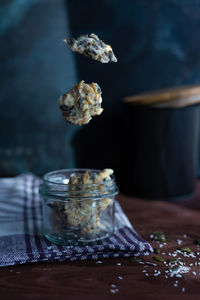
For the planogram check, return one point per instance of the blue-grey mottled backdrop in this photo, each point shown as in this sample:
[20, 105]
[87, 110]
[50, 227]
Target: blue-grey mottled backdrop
[35, 70]
[157, 44]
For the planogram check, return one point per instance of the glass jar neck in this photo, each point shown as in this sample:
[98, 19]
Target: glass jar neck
[57, 184]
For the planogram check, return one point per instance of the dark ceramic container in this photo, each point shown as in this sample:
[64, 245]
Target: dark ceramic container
[160, 152]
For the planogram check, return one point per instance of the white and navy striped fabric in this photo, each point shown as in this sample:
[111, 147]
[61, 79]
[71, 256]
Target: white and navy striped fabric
[21, 239]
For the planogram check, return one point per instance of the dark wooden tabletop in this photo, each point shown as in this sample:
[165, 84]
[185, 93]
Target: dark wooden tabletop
[114, 277]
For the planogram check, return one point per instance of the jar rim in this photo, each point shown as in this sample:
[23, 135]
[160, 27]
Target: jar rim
[73, 170]
[52, 183]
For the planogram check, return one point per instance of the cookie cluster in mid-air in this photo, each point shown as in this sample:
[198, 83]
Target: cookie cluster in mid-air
[90, 45]
[83, 101]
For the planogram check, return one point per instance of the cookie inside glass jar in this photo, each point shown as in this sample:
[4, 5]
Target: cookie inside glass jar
[88, 209]
[86, 214]
[81, 103]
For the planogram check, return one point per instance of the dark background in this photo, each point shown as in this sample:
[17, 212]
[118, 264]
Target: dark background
[156, 42]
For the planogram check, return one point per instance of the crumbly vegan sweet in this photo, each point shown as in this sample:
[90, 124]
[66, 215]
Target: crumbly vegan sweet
[84, 216]
[78, 106]
[90, 45]
[81, 103]
[88, 178]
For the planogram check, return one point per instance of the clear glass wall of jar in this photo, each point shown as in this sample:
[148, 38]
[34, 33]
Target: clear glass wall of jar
[79, 213]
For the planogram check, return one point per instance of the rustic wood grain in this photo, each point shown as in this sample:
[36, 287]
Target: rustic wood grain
[173, 97]
[62, 280]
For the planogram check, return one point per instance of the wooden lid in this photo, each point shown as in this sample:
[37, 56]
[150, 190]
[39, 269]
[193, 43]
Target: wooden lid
[173, 97]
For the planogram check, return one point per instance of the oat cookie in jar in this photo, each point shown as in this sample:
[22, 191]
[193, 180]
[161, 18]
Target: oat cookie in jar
[90, 45]
[81, 103]
[78, 205]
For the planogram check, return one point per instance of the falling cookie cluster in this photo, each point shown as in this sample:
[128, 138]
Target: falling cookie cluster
[83, 101]
[90, 45]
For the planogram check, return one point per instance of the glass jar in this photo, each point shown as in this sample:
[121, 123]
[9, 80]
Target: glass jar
[75, 214]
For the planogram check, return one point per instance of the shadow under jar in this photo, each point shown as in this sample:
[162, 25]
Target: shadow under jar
[76, 214]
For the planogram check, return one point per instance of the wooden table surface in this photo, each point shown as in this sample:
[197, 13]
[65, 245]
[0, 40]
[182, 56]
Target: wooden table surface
[179, 221]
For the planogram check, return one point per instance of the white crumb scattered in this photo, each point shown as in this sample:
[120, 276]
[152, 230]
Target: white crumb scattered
[194, 273]
[150, 263]
[180, 269]
[174, 254]
[158, 273]
[175, 285]
[192, 255]
[113, 291]
[184, 269]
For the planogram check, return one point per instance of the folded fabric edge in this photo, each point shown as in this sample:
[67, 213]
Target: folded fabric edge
[78, 257]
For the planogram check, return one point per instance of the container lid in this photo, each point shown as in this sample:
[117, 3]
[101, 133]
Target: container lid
[172, 97]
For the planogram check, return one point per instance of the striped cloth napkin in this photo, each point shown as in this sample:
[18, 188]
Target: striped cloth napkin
[21, 239]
